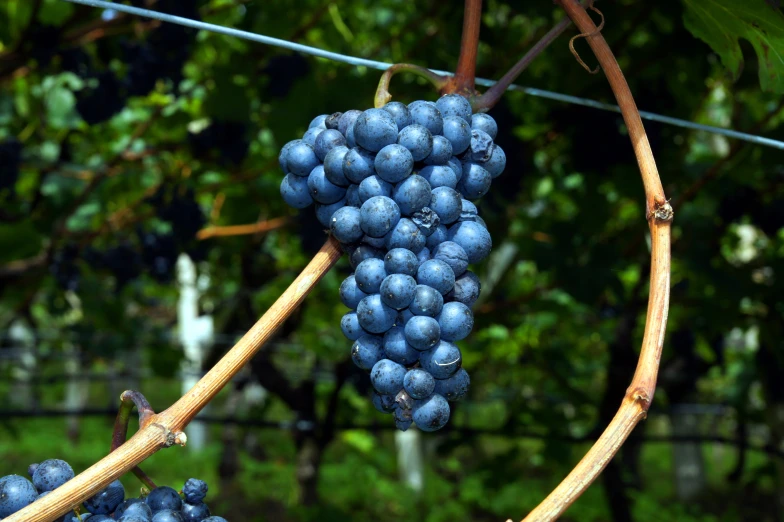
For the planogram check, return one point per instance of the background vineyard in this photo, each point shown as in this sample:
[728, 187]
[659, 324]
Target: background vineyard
[121, 138]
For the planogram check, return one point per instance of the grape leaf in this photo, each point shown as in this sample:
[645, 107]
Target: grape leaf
[721, 23]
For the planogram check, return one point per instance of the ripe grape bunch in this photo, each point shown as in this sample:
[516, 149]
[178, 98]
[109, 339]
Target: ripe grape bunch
[394, 185]
[162, 504]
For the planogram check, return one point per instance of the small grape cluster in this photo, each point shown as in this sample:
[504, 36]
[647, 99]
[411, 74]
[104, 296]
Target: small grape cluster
[162, 504]
[394, 185]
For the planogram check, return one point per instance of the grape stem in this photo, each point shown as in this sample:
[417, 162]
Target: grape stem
[242, 230]
[165, 429]
[382, 92]
[128, 400]
[659, 215]
[463, 82]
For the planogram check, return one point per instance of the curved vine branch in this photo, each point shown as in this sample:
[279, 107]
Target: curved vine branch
[382, 92]
[166, 429]
[659, 214]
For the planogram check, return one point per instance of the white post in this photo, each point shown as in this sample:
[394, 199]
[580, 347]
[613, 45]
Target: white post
[409, 458]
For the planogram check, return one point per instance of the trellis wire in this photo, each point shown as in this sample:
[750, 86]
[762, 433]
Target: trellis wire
[373, 64]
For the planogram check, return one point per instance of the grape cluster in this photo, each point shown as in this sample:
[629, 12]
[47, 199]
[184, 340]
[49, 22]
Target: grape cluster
[394, 185]
[162, 504]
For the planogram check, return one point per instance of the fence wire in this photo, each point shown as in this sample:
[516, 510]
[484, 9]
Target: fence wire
[373, 64]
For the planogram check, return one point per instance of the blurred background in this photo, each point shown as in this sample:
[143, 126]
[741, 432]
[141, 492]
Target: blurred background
[127, 147]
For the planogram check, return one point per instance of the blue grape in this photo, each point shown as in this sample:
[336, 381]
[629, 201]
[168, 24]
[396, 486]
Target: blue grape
[468, 212]
[394, 163]
[332, 121]
[324, 212]
[398, 349]
[350, 327]
[375, 129]
[453, 255]
[497, 162]
[373, 186]
[384, 403]
[432, 414]
[475, 181]
[295, 192]
[403, 317]
[358, 164]
[369, 275]
[333, 166]
[427, 115]
[466, 290]
[399, 113]
[318, 121]
[423, 255]
[301, 158]
[352, 196]
[403, 425]
[214, 519]
[195, 512]
[137, 518]
[456, 321]
[344, 225]
[347, 121]
[379, 215]
[456, 166]
[31, 469]
[350, 293]
[322, 190]
[446, 202]
[387, 377]
[454, 105]
[442, 360]
[377, 242]
[412, 194]
[473, 237]
[51, 474]
[401, 261]
[481, 147]
[367, 351]
[107, 518]
[418, 140]
[326, 141]
[310, 136]
[397, 290]
[437, 237]
[163, 497]
[374, 316]
[134, 506]
[484, 122]
[419, 384]
[17, 493]
[426, 220]
[106, 501]
[422, 332]
[427, 301]
[362, 252]
[455, 387]
[405, 235]
[441, 152]
[458, 132]
[167, 515]
[436, 274]
[439, 176]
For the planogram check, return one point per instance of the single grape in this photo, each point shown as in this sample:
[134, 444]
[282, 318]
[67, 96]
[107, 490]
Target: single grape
[387, 377]
[446, 202]
[163, 497]
[51, 474]
[427, 115]
[324, 212]
[423, 255]
[473, 237]
[375, 129]
[377, 242]
[358, 164]
[484, 122]
[401, 261]
[367, 351]
[369, 275]
[456, 167]
[283, 156]
[349, 324]
[295, 192]
[344, 225]
[418, 140]
[427, 301]
[468, 212]
[481, 147]
[350, 293]
[195, 512]
[318, 121]
[333, 166]
[373, 186]
[405, 235]
[453, 255]
[326, 141]
[437, 274]
[454, 105]
[403, 425]
[458, 132]
[397, 290]
[106, 501]
[167, 515]
[17, 493]
[347, 120]
[497, 162]
[333, 121]
[384, 403]
[374, 316]
[456, 321]
[437, 237]
[455, 387]
[439, 176]
[412, 194]
[134, 506]
[31, 469]
[419, 384]
[432, 414]
[301, 158]
[400, 113]
[475, 181]
[352, 196]
[311, 134]
[397, 348]
[379, 215]
[466, 290]
[441, 153]
[359, 253]
[422, 332]
[442, 360]
[394, 163]
[426, 220]
[322, 190]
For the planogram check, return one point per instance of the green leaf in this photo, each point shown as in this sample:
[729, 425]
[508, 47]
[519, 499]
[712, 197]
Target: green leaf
[721, 23]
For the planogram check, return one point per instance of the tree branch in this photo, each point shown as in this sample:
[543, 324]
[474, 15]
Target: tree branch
[241, 230]
[163, 429]
[659, 214]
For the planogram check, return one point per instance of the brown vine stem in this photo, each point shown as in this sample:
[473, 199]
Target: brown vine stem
[659, 214]
[383, 95]
[166, 429]
[242, 230]
[463, 82]
[129, 399]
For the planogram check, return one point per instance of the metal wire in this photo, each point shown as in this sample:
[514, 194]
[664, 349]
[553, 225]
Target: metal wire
[373, 64]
